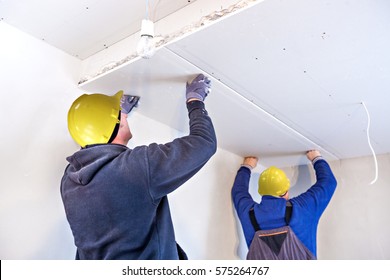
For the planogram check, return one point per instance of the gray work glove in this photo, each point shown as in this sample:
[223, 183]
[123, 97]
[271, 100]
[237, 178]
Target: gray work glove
[128, 102]
[199, 88]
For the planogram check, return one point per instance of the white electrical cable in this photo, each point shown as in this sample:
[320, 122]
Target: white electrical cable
[369, 143]
[147, 9]
[154, 9]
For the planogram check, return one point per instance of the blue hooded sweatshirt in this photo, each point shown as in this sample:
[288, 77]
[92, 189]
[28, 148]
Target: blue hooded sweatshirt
[115, 198]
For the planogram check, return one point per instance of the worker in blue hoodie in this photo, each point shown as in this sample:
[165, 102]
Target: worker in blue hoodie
[277, 210]
[115, 198]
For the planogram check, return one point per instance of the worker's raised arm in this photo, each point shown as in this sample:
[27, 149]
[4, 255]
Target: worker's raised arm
[173, 163]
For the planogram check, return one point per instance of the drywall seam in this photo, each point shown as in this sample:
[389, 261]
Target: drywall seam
[251, 103]
[162, 40]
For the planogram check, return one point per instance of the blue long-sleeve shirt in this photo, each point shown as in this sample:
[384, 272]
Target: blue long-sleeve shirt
[115, 198]
[270, 212]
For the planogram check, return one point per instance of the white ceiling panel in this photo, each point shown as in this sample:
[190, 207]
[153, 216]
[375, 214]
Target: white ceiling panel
[310, 64]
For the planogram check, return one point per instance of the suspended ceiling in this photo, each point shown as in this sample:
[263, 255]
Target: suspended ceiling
[287, 75]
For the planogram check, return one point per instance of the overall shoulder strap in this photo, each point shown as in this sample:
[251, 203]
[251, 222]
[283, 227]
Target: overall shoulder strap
[287, 215]
[253, 219]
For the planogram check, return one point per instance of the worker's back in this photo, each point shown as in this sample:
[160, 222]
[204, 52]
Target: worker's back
[277, 244]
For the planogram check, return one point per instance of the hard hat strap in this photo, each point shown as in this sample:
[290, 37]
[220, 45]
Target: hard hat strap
[116, 129]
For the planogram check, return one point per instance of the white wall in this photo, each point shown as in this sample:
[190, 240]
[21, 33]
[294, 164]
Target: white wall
[356, 225]
[38, 84]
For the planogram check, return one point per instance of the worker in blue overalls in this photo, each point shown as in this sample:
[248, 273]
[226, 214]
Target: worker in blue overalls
[270, 213]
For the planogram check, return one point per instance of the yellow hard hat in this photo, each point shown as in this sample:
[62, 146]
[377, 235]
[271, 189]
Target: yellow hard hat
[92, 118]
[273, 181]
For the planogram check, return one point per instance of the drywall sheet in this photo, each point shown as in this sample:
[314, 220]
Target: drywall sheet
[308, 63]
[242, 127]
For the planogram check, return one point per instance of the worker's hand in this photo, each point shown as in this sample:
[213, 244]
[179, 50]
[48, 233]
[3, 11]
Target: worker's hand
[250, 161]
[128, 102]
[312, 154]
[198, 89]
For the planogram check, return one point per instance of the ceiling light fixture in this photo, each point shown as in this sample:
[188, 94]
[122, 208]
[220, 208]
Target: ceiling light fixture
[146, 45]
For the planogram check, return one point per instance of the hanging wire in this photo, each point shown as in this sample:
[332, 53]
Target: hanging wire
[154, 9]
[369, 143]
[150, 10]
[147, 10]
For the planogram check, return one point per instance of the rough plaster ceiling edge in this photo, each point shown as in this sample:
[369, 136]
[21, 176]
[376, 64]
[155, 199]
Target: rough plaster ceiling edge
[163, 40]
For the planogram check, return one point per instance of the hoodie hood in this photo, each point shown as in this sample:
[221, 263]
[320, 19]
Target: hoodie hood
[84, 164]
